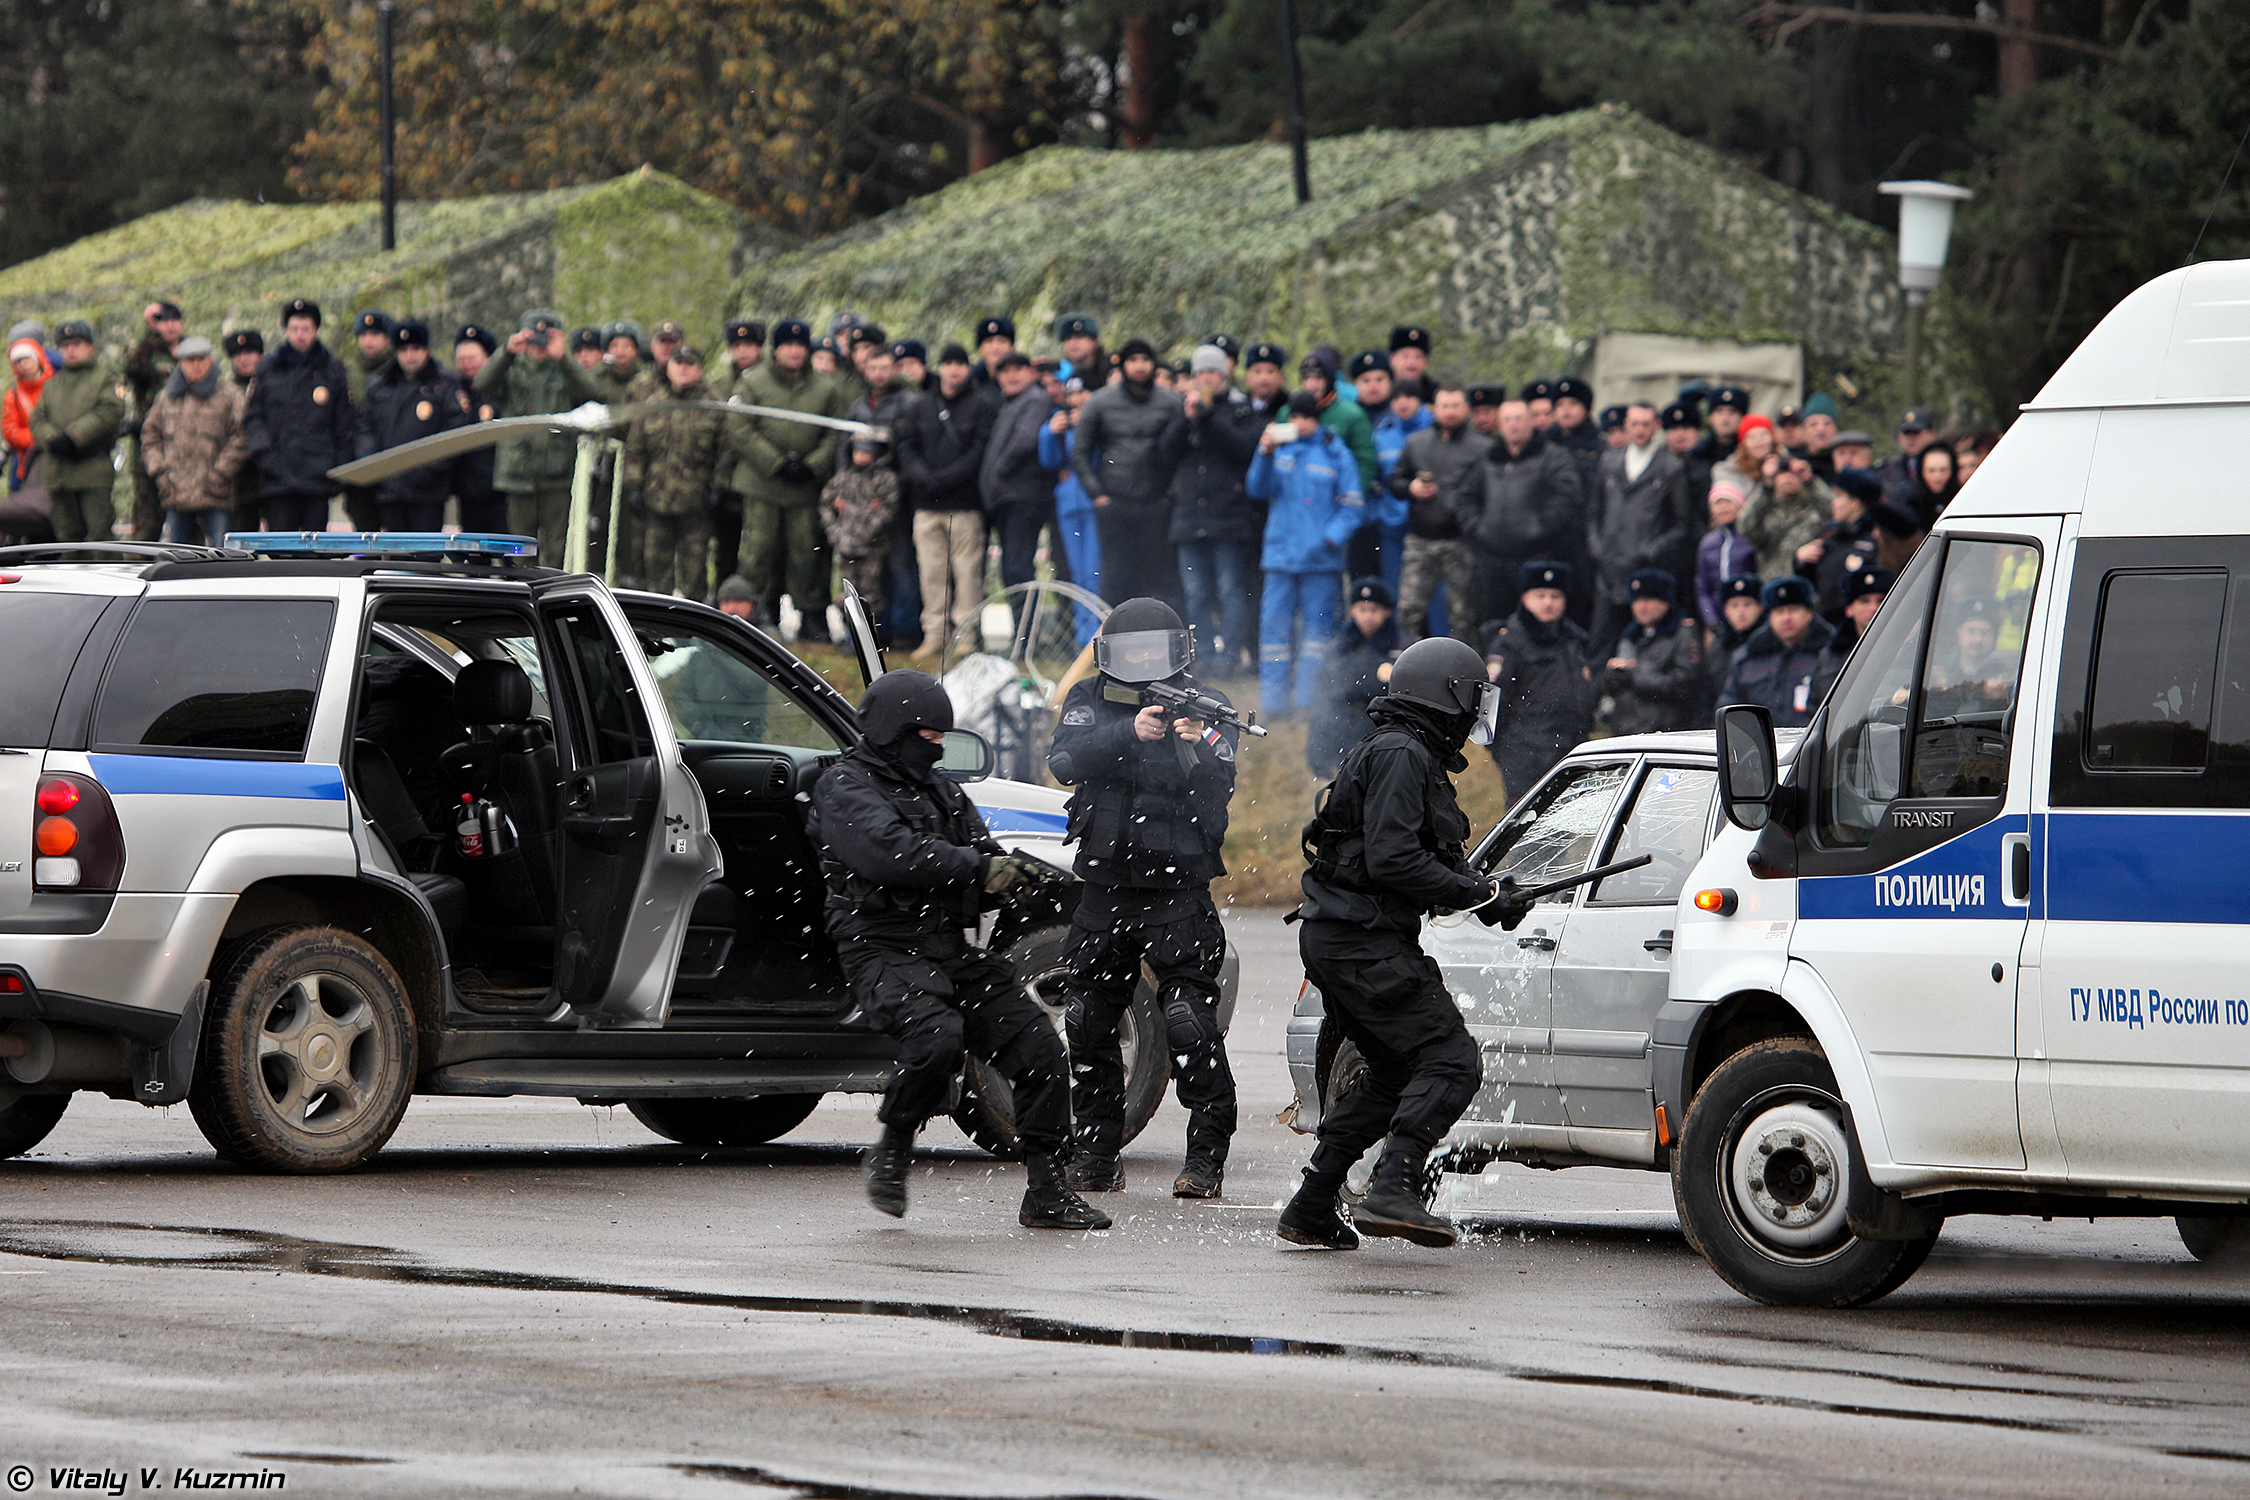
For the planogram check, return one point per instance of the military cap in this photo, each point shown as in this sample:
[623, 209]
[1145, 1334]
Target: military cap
[586, 336]
[542, 320]
[912, 349]
[300, 307]
[1612, 418]
[746, 331]
[1787, 589]
[1975, 609]
[1225, 343]
[1371, 590]
[372, 321]
[1576, 390]
[1135, 347]
[1860, 485]
[1304, 404]
[1077, 326]
[687, 354]
[74, 330]
[792, 331]
[996, 327]
[844, 322]
[411, 335]
[194, 346]
[1543, 575]
[1653, 583]
[1915, 419]
[625, 328]
[243, 341]
[1731, 397]
[869, 333]
[1867, 581]
[1821, 404]
[168, 310]
[472, 333]
[1788, 416]
[1371, 359]
[1741, 586]
[1854, 438]
[1266, 354]
[953, 354]
[1537, 390]
[736, 590]
[1679, 414]
[669, 332]
[1182, 368]
[1487, 395]
[826, 343]
[1897, 520]
[1406, 336]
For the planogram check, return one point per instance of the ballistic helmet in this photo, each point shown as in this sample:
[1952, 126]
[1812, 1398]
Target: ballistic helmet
[1143, 640]
[900, 703]
[1448, 676]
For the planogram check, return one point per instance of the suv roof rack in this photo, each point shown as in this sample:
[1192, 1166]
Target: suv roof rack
[116, 552]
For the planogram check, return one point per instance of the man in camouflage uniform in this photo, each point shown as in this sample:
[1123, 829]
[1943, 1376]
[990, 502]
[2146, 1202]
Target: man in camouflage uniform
[622, 378]
[672, 462]
[147, 367]
[779, 468]
[858, 508]
[531, 377]
[77, 420]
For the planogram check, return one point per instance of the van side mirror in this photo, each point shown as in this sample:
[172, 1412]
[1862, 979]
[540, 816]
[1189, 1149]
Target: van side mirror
[967, 755]
[1749, 766]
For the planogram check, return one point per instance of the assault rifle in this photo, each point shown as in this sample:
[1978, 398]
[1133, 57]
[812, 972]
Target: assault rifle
[1193, 703]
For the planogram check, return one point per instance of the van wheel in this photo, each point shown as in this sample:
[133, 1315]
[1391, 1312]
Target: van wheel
[1764, 1163]
[308, 1053]
[26, 1119]
[987, 1111]
[2216, 1241]
[711, 1123]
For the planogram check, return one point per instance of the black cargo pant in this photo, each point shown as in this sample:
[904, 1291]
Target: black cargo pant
[1178, 935]
[940, 998]
[1391, 1002]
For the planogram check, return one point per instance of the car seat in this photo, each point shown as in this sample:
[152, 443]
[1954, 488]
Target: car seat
[510, 758]
[405, 833]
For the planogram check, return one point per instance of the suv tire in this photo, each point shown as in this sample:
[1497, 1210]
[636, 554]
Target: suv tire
[751, 1120]
[987, 1111]
[2215, 1241]
[308, 1053]
[1765, 1160]
[26, 1119]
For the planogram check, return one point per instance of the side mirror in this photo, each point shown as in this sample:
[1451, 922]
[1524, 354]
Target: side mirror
[1749, 766]
[967, 756]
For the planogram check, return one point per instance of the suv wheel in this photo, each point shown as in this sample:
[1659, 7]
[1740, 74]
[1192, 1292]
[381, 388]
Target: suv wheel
[2215, 1241]
[987, 1111]
[710, 1123]
[1764, 1163]
[308, 1054]
[26, 1119]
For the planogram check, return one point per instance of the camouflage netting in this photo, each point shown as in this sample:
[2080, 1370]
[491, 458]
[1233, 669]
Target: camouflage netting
[644, 246]
[1516, 244]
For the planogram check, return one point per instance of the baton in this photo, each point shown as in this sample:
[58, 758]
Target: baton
[1599, 872]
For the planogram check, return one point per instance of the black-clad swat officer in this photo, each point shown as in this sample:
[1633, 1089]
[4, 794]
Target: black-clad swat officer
[909, 864]
[1149, 814]
[1386, 849]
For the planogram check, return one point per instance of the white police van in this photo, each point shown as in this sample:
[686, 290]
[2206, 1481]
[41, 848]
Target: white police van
[1984, 945]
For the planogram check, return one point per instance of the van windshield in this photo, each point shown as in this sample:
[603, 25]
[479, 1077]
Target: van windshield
[45, 632]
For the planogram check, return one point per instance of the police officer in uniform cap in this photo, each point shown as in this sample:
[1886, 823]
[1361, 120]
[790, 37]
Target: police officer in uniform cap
[482, 507]
[244, 349]
[1387, 848]
[1538, 658]
[1149, 815]
[411, 397]
[1230, 346]
[1410, 352]
[996, 339]
[1485, 402]
[909, 866]
[1539, 395]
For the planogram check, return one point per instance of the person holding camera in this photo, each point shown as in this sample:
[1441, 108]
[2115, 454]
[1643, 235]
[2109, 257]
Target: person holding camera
[1148, 814]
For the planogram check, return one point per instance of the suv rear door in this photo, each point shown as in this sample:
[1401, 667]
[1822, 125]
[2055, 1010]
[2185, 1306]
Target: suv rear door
[636, 847]
[45, 629]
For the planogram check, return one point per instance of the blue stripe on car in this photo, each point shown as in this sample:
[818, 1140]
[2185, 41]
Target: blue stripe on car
[197, 776]
[1023, 820]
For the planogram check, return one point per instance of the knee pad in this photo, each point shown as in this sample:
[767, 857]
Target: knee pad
[1190, 1022]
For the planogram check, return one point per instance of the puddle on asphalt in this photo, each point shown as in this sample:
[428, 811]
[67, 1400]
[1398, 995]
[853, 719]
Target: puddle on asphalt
[821, 1489]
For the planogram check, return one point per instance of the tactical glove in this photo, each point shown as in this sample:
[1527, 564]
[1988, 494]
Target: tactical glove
[63, 446]
[1004, 872]
[1501, 911]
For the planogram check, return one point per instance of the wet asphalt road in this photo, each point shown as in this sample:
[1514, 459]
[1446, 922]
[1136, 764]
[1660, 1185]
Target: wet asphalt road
[530, 1297]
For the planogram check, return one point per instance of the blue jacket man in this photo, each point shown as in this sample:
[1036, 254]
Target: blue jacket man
[1310, 482]
[1780, 664]
[1074, 508]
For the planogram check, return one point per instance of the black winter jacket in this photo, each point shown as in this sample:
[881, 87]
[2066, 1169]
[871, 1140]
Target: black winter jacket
[1396, 829]
[1649, 522]
[299, 421]
[1786, 679]
[1010, 473]
[1532, 509]
[1456, 460]
[1546, 690]
[903, 854]
[1665, 688]
[1150, 814]
[941, 442]
[1120, 450]
[398, 409]
[1848, 548]
[1213, 450]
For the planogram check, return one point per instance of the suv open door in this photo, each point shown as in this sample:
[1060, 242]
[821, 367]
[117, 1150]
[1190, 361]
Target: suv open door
[864, 646]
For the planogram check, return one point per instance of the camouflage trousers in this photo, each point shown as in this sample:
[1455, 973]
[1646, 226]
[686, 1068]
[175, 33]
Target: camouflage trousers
[148, 506]
[1429, 562]
[675, 555]
[866, 575]
[786, 544]
[543, 513]
[81, 515]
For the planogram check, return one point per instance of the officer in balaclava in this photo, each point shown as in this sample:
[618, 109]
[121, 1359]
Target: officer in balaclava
[909, 865]
[1386, 848]
[1149, 814]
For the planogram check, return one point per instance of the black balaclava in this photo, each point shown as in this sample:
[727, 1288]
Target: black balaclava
[894, 708]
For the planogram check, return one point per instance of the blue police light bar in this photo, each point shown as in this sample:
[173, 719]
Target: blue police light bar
[384, 544]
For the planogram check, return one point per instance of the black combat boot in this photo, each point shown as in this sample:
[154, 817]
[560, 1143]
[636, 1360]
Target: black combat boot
[885, 1165]
[1200, 1178]
[1393, 1206]
[1089, 1173]
[1048, 1202]
[1315, 1217]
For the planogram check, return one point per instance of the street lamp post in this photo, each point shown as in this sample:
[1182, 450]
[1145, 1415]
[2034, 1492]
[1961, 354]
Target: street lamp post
[1925, 225]
[386, 122]
[1294, 79]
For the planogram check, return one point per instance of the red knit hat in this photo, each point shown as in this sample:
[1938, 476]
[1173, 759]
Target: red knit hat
[1751, 424]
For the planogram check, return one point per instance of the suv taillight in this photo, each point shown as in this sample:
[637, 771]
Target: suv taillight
[76, 843]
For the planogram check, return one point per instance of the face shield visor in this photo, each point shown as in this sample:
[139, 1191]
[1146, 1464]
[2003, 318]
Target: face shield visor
[1143, 655]
[1486, 723]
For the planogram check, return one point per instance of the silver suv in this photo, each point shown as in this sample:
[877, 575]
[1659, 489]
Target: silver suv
[293, 839]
